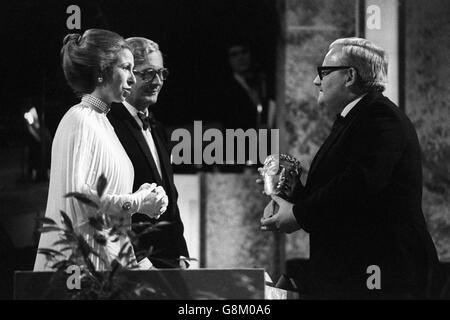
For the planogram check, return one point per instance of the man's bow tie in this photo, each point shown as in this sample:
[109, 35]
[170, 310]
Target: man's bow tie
[147, 121]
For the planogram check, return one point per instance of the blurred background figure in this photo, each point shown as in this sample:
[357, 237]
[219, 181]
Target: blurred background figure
[37, 145]
[246, 97]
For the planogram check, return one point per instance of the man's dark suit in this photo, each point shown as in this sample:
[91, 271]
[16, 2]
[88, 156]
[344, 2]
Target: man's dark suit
[361, 205]
[168, 242]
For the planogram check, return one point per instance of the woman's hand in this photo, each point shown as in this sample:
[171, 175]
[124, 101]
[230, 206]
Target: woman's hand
[147, 186]
[153, 200]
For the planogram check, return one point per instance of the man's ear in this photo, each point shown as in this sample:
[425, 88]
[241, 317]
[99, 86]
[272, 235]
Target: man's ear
[351, 77]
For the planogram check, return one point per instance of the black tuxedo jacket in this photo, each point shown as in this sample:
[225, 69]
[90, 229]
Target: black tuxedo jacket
[168, 242]
[361, 205]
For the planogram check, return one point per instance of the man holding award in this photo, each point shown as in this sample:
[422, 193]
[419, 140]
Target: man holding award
[361, 203]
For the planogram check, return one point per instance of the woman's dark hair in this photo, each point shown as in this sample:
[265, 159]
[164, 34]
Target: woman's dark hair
[87, 57]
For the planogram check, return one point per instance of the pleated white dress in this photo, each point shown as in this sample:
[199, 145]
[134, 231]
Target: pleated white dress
[85, 146]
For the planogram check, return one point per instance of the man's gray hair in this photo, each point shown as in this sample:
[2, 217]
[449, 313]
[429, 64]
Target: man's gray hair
[141, 47]
[370, 61]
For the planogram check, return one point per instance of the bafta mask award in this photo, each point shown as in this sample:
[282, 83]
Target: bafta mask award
[280, 173]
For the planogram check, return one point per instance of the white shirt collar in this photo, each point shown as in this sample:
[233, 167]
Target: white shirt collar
[147, 134]
[351, 105]
[132, 109]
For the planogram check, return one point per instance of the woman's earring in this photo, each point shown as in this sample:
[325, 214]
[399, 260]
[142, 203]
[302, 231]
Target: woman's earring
[100, 79]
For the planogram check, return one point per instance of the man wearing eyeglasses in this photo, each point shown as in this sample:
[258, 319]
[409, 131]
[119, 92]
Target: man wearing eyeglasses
[146, 144]
[361, 203]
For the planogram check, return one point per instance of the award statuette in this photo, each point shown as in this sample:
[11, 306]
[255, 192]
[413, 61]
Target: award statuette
[280, 174]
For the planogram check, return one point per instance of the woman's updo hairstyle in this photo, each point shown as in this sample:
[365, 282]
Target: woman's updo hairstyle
[88, 57]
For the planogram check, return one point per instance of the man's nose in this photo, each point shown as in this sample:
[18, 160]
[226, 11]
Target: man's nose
[317, 81]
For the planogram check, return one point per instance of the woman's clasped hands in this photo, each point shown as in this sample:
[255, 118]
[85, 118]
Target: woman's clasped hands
[153, 200]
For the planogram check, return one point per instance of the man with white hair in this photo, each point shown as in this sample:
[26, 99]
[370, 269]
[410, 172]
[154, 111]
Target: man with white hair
[361, 203]
[146, 143]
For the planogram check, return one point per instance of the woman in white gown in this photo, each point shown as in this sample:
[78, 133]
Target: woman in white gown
[98, 66]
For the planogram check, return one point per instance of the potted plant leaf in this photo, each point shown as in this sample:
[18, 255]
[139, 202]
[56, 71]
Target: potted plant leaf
[75, 250]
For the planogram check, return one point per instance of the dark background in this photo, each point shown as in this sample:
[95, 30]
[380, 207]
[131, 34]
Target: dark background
[192, 36]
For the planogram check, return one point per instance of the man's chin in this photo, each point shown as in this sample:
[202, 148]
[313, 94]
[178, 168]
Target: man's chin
[150, 99]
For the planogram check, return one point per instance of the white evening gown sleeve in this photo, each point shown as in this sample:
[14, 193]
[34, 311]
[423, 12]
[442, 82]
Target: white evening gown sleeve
[85, 146]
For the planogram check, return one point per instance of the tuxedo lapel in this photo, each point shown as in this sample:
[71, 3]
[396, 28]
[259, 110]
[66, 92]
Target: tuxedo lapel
[136, 132]
[166, 166]
[357, 111]
[334, 134]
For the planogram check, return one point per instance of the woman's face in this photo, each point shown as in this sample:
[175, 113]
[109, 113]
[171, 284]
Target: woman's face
[118, 88]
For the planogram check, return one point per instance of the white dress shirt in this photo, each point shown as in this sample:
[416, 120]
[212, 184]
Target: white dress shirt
[147, 135]
[350, 106]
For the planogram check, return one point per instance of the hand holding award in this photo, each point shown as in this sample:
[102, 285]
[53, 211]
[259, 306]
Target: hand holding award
[280, 174]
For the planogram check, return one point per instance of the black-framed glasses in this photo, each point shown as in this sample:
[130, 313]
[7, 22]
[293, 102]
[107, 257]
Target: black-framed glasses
[150, 74]
[325, 70]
